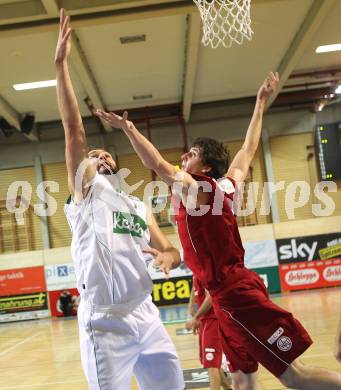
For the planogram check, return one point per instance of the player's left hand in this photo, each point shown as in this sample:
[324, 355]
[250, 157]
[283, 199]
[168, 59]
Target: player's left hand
[269, 85]
[194, 324]
[163, 260]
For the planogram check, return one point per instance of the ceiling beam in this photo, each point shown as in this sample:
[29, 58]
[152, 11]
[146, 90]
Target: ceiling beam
[51, 7]
[86, 76]
[99, 18]
[14, 118]
[191, 62]
[316, 14]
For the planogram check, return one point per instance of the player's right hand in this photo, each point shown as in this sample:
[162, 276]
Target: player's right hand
[114, 120]
[64, 39]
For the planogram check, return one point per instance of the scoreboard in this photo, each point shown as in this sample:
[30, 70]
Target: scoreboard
[328, 144]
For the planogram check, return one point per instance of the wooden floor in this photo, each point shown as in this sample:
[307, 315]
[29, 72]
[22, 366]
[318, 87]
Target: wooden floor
[44, 354]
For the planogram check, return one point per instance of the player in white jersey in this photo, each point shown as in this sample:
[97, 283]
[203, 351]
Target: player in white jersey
[120, 330]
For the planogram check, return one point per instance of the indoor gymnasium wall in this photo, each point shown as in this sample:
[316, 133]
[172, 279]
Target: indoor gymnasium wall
[259, 175]
[61, 255]
[59, 229]
[22, 259]
[137, 172]
[28, 234]
[307, 227]
[291, 162]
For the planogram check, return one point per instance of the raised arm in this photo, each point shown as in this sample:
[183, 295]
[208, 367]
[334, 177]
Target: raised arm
[149, 155]
[240, 165]
[75, 139]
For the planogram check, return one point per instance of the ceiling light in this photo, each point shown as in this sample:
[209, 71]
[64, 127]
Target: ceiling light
[319, 106]
[37, 84]
[133, 38]
[328, 48]
[338, 89]
[141, 97]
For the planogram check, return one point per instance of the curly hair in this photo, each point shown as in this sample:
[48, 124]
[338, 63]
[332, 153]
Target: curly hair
[214, 155]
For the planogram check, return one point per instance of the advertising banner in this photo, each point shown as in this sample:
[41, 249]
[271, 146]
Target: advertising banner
[64, 303]
[22, 281]
[270, 276]
[313, 274]
[60, 276]
[309, 248]
[24, 315]
[260, 254]
[196, 378]
[172, 291]
[22, 303]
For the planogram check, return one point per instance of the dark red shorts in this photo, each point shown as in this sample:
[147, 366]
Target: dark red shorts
[210, 345]
[255, 330]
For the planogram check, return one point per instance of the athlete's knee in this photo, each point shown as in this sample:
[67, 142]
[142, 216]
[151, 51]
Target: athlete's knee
[294, 375]
[241, 381]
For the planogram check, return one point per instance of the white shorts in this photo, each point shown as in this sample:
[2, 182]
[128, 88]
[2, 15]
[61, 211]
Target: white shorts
[116, 344]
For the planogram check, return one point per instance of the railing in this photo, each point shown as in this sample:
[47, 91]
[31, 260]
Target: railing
[15, 237]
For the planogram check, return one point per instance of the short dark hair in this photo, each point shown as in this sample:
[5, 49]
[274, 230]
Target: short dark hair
[214, 155]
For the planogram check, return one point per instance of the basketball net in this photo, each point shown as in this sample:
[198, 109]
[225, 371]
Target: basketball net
[225, 21]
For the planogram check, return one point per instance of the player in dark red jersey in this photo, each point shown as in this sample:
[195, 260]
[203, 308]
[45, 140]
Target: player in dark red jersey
[254, 330]
[205, 323]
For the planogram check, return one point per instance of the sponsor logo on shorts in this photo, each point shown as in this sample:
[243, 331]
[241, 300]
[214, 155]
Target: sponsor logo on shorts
[276, 336]
[125, 223]
[209, 354]
[284, 344]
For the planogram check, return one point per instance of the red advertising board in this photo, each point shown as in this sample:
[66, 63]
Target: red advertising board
[55, 303]
[22, 281]
[312, 274]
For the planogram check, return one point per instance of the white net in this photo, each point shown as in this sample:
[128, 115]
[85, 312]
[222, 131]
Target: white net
[225, 21]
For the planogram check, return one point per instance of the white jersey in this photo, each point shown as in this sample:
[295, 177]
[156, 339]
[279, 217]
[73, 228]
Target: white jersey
[110, 230]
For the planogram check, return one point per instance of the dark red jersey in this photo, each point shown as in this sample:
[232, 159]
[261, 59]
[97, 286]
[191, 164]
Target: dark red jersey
[253, 329]
[211, 242]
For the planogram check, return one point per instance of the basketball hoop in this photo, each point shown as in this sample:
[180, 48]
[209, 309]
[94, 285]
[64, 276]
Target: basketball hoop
[225, 21]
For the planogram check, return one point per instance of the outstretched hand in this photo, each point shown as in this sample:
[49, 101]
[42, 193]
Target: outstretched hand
[64, 42]
[162, 260]
[269, 85]
[114, 120]
[193, 324]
